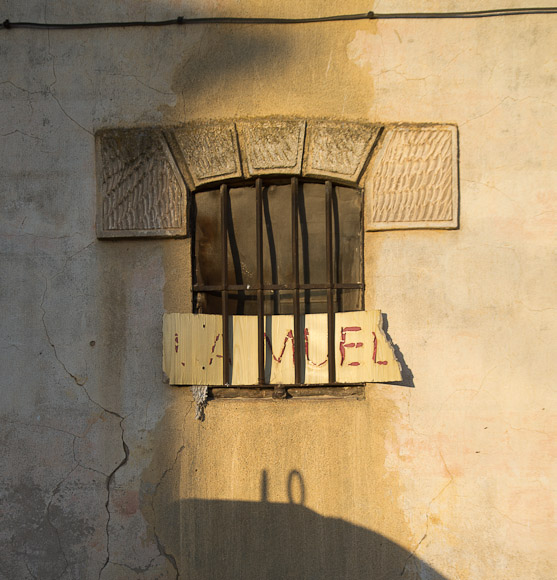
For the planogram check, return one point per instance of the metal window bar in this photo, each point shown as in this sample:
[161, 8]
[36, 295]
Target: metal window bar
[260, 299]
[298, 333]
[330, 281]
[224, 281]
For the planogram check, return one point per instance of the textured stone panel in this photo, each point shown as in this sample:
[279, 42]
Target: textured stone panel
[414, 179]
[338, 150]
[141, 192]
[210, 151]
[271, 146]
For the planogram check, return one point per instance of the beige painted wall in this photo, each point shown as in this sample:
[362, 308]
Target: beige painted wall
[106, 472]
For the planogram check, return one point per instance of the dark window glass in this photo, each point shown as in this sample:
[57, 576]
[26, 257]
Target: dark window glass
[278, 276]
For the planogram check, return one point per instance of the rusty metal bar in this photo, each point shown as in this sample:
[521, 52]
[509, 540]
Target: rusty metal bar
[298, 334]
[224, 292]
[236, 287]
[330, 282]
[260, 297]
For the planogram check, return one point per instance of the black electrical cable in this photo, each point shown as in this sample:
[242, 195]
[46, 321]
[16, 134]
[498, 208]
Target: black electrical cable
[6, 25]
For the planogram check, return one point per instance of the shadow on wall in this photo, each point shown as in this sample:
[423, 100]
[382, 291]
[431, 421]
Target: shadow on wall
[407, 375]
[255, 70]
[277, 541]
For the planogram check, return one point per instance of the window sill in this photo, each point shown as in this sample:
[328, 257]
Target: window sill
[353, 392]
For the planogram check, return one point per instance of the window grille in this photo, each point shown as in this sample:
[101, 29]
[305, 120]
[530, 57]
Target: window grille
[233, 276]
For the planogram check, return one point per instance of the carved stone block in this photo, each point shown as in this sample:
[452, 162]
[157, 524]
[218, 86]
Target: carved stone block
[338, 150]
[272, 146]
[413, 180]
[140, 190]
[210, 151]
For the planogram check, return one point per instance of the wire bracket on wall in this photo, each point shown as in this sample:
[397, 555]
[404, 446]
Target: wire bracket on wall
[181, 20]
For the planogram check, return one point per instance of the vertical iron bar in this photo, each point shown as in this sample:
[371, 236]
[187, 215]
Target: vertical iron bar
[298, 332]
[224, 292]
[330, 282]
[260, 303]
[336, 237]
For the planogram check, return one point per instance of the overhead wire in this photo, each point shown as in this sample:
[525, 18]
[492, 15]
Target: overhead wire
[181, 20]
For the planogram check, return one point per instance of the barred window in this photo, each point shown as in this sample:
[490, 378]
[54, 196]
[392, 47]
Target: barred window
[272, 247]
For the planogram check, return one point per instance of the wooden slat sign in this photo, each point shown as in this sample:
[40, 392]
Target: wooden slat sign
[192, 349]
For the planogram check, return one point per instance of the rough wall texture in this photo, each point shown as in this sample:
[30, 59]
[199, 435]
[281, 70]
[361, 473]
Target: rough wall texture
[105, 474]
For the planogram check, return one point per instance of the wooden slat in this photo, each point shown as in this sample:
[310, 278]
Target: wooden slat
[192, 349]
[363, 353]
[315, 349]
[244, 350]
[279, 353]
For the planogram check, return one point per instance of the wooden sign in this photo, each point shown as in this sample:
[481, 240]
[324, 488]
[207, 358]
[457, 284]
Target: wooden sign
[192, 349]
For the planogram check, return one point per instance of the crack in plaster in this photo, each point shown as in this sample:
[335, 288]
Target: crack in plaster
[501, 102]
[50, 91]
[56, 531]
[68, 115]
[17, 131]
[135, 77]
[434, 499]
[80, 381]
[166, 554]
[161, 547]
[109, 480]
[77, 379]
[136, 570]
[72, 256]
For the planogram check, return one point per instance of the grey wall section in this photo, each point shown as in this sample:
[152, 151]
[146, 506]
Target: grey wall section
[105, 474]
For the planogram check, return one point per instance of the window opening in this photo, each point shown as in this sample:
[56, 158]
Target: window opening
[278, 248]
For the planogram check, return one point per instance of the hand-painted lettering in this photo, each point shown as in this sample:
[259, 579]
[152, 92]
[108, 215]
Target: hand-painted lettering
[310, 362]
[289, 336]
[343, 345]
[213, 350]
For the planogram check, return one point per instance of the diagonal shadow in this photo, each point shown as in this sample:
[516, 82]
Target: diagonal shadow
[407, 375]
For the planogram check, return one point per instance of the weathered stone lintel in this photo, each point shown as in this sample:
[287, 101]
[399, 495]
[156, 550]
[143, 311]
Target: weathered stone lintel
[143, 174]
[338, 150]
[272, 146]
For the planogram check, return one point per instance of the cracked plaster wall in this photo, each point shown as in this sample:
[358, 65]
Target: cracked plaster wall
[101, 459]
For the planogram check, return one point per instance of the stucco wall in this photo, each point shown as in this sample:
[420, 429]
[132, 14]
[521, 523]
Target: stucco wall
[105, 472]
